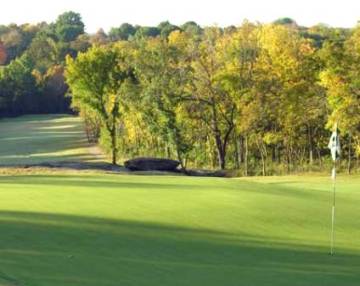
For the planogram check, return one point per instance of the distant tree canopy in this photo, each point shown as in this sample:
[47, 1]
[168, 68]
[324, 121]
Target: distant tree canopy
[257, 98]
[124, 32]
[191, 27]
[45, 46]
[285, 21]
[69, 26]
[29, 55]
[166, 28]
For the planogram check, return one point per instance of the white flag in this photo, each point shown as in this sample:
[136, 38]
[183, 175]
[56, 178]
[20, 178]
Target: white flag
[334, 144]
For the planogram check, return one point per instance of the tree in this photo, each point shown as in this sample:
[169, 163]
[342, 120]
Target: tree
[144, 32]
[98, 80]
[166, 28]
[124, 32]
[287, 79]
[3, 54]
[18, 88]
[341, 80]
[164, 77]
[215, 103]
[285, 21]
[192, 28]
[44, 52]
[99, 38]
[81, 44]
[240, 54]
[69, 26]
[53, 87]
[352, 108]
[15, 40]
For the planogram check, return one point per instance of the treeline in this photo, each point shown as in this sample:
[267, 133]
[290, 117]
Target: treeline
[257, 98]
[32, 59]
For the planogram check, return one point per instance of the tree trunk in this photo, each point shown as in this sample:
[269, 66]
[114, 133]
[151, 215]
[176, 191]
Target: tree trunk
[237, 152]
[349, 158]
[113, 142]
[180, 159]
[263, 164]
[221, 149]
[246, 157]
[320, 159]
[288, 159]
[311, 151]
[221, 144]
[263, 161]
[273, 153]
[263, 155]
[278, 154]
[221, 157]
[168, 151]
[113, 147]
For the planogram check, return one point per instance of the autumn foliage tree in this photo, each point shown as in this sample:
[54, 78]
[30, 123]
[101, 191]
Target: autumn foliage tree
[257, 98]
[98, 81]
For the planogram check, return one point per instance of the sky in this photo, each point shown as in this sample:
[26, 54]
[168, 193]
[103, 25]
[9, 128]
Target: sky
[111, 13]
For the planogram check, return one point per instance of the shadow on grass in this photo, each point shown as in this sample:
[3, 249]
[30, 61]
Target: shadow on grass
[29, 140]
[48, 249]
[93, 182]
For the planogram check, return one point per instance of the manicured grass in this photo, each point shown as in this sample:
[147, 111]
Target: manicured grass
[43, 138]
[101, 229]
[78, 228]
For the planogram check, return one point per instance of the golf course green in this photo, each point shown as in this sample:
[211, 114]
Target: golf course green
[91, 228]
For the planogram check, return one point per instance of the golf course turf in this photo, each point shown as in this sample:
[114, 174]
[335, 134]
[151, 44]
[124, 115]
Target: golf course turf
[82, 228]
[34, 139]
[103, 229]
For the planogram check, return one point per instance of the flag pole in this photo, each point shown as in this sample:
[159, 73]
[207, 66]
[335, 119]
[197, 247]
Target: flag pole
[332, 238]
[334, 146]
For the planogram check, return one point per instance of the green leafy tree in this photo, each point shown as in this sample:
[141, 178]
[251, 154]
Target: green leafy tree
[341, 80]
[164, 78]
[98, 80]
[18, 88]
[240, 54]
[166, 28]
[144, 32]
[69, 26]
[124, 32]
[214, 101]
[192, 28]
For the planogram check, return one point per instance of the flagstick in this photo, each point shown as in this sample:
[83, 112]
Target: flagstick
[333, 213]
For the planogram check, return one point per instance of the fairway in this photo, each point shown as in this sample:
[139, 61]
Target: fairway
[43, 139]
[182, 147]
[101, 229]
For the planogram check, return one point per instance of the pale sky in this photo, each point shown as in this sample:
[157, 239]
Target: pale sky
[109, 13]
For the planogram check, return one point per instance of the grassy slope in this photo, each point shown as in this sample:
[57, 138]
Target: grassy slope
[98, 229]
[42, 138]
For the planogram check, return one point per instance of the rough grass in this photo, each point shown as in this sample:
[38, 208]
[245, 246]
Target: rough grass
[101, 229]
[43, 138]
